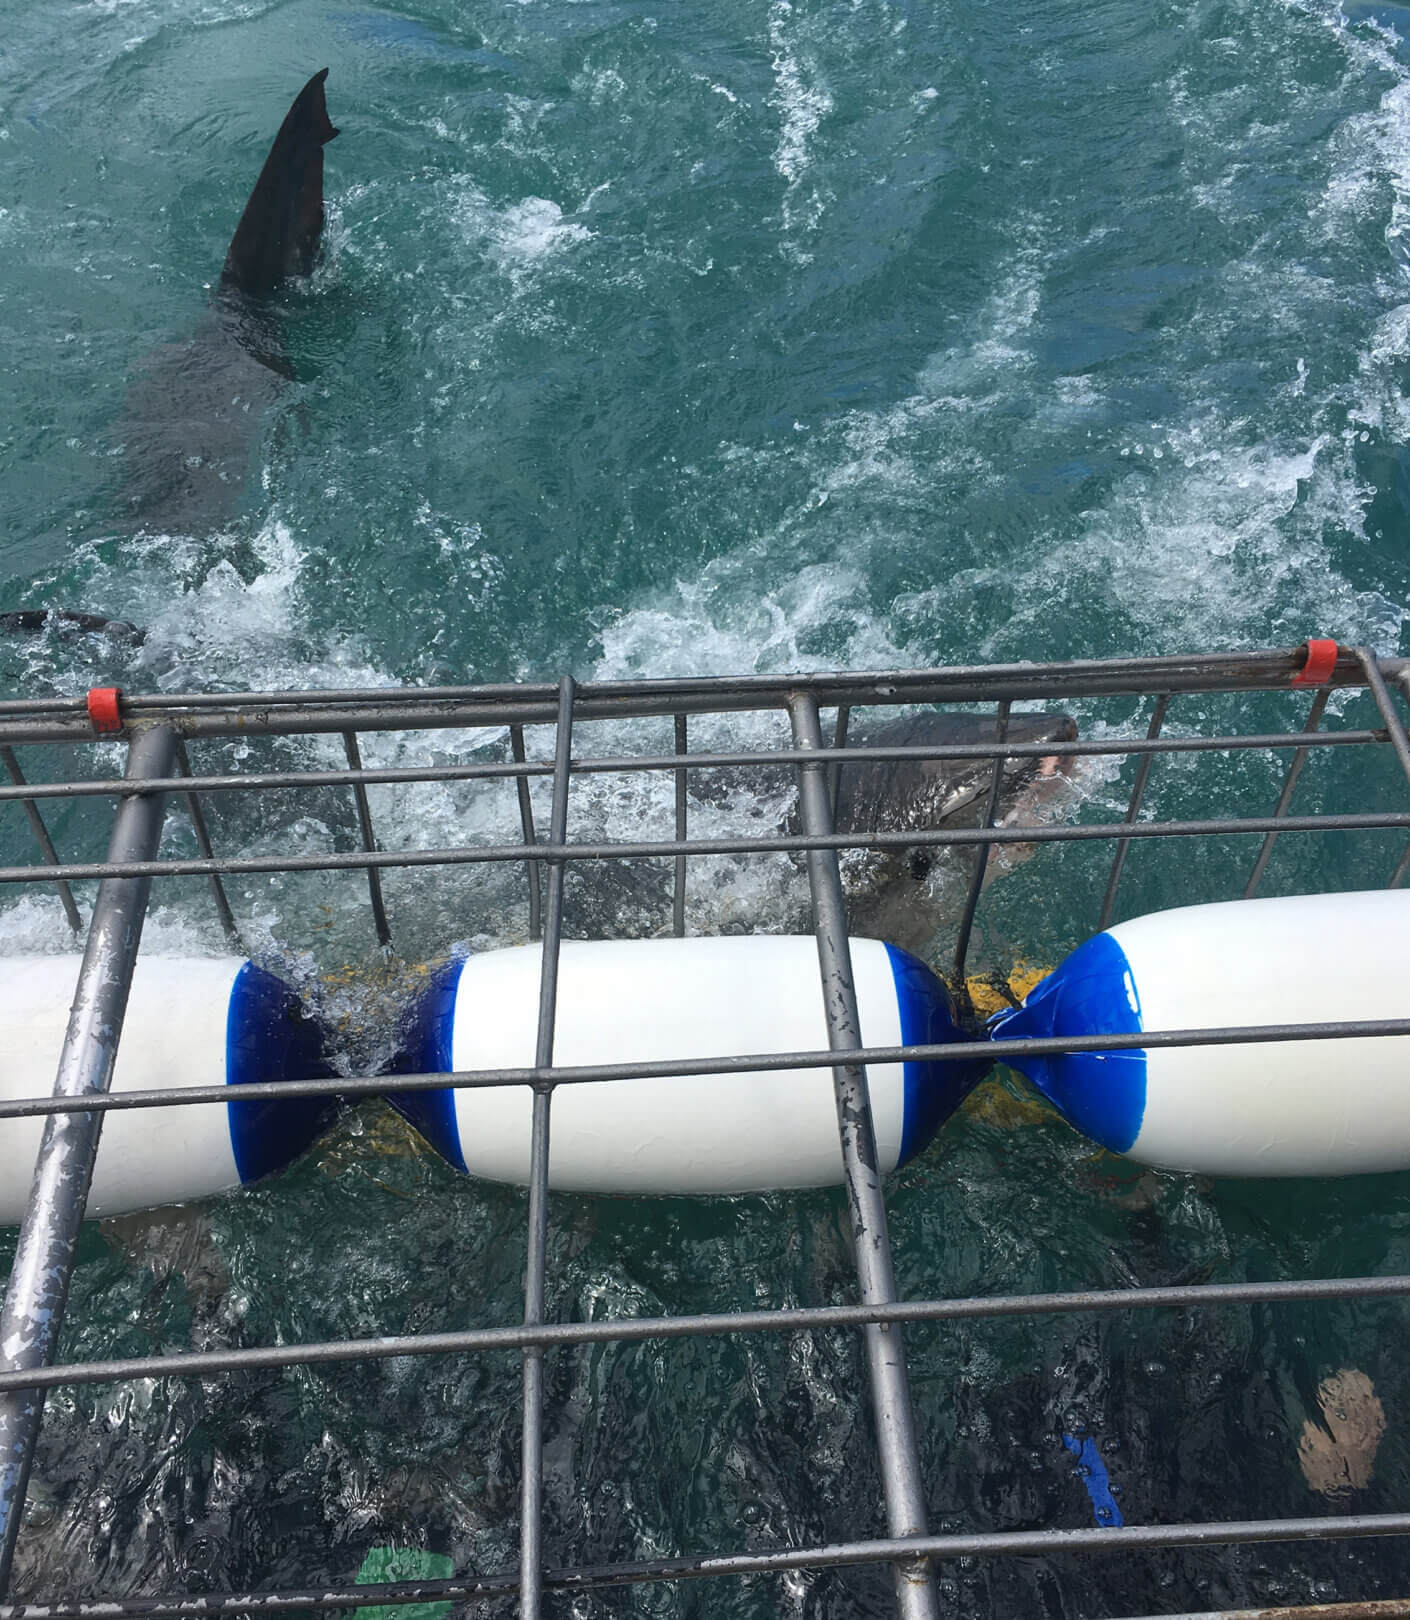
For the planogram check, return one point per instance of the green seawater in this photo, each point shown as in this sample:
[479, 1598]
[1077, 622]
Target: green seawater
[658, 339]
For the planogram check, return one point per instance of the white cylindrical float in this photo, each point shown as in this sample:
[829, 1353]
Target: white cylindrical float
[632, 1001]
[1279, 1108]
[191, 1021]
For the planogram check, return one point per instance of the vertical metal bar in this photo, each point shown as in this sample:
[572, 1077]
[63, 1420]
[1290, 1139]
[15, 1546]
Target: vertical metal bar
[1133, 809]
[1394, 727]
[834, 771]
[203, 843]
[981, 854]
[39, 1280]
[536, 1267]
[886, 1358]
[41, 836]
[526, 820]
[1299, 759]
[369, 843]
[678, 894]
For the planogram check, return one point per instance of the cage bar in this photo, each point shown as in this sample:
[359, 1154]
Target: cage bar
[916, 1598]
[879, 1317]
[42, 838]
[1133, 809]
[203, 843]
[39, 1279]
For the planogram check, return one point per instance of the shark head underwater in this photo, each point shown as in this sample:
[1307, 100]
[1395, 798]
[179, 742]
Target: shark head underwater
[902, 895]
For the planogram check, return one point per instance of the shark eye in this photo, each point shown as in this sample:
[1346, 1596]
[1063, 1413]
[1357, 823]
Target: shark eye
[918, 863]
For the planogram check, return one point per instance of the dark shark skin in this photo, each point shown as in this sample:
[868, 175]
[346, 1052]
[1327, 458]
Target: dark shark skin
[889, 893]
[282, 225]
[193, 417]
[63, 619]
[192, 423]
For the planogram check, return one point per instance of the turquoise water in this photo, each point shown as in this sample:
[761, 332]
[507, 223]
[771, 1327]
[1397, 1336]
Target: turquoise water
[713, 339]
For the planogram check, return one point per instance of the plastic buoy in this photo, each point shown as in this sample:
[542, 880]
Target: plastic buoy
[1280, 1108]
[190, 1022]
[668, 999]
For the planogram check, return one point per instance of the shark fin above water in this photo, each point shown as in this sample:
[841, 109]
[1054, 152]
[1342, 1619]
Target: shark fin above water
[282, 225]
[195, 411]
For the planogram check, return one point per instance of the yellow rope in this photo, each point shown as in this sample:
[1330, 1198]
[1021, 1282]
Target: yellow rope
[1002, 1100]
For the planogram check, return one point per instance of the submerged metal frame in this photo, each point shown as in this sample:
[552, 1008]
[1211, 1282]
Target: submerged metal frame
[158, 728]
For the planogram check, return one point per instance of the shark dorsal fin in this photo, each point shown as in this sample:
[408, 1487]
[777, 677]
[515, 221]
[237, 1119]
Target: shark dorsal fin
[279, 231]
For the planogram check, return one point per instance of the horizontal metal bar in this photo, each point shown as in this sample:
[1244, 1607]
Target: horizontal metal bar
[265, 713]
[636, 1330]
[1010, 1543]
[1002, 1051]
[1366, 1609]
[376, 776]
[1280, 664]
[781, 843]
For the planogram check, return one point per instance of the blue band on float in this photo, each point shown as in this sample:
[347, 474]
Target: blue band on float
[428, 1051]
[932, 1091]
[1092, 993]
[269, 1036]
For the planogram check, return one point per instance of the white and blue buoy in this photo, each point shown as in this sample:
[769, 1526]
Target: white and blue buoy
[191, 1021]
[1279, 1108]
[658, 1000]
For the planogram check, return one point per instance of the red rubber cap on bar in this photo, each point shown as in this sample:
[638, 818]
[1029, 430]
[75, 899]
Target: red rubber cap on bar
[1321, 660]
[103, 713]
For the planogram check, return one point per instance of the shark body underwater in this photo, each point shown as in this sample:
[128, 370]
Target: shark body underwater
[190, 422]
[186, 439]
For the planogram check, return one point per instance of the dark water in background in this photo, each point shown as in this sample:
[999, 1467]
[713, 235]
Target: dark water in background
[720, 338]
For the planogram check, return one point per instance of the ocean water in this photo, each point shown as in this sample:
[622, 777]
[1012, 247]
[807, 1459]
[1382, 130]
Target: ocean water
[680, 339]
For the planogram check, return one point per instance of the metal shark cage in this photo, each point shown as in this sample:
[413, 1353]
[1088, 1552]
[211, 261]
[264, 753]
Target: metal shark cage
[157, 731]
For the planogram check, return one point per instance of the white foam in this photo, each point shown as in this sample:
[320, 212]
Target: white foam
[519, 238]
[800, 96]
